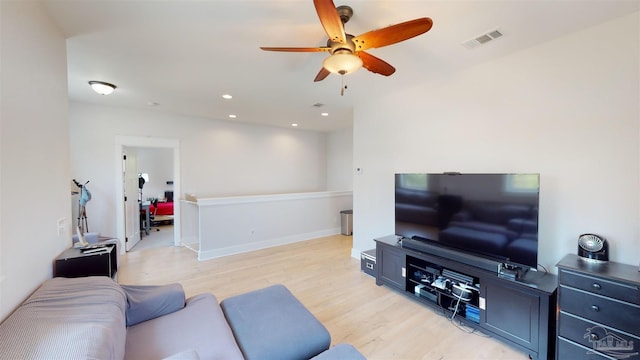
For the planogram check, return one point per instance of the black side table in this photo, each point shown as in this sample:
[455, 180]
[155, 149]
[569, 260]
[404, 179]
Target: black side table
[76, 263]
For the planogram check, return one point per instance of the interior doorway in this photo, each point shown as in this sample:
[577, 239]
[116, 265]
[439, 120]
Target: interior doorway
[128, 195]
[154, 186]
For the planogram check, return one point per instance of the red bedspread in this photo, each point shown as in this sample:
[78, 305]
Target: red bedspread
[164, 208]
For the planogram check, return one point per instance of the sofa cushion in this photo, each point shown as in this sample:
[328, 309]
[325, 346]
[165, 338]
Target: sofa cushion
[78, 318]
[271, 323]
[146, 302]
[200, 326]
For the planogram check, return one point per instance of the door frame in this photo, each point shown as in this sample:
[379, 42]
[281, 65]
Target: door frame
[145, 142]
[131, 186]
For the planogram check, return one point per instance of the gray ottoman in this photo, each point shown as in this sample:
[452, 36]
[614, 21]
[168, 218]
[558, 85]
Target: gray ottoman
[271, 323]
[341, 352]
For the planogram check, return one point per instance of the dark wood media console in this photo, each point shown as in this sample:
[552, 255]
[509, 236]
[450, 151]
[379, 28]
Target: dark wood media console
[519, 313]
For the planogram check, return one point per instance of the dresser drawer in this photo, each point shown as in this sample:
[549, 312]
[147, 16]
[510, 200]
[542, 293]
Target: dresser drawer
[594, 335]
[600, 286]
[569, 351]
[618, 314]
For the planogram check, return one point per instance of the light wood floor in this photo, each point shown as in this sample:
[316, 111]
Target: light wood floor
[159, 236]
[381, 323]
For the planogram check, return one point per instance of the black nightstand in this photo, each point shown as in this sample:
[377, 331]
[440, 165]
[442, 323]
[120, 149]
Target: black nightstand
[76, 263]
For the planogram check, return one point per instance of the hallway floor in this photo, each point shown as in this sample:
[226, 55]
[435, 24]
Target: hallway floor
[155, 239]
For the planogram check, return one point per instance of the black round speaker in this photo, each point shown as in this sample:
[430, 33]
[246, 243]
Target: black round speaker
[593, 247]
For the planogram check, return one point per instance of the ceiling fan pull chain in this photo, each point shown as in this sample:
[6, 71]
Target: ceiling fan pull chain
[343, 87]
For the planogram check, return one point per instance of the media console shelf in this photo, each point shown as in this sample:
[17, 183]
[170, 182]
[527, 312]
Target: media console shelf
[519, 313]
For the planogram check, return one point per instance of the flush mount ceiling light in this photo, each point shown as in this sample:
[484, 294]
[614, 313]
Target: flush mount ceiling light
[227, 97]
[101, 87]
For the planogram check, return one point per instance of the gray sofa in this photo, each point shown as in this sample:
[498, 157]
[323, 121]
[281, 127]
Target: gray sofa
[96, 318]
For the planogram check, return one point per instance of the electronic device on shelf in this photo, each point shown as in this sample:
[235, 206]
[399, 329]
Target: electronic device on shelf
[463, 292]
[432, 281]
[96, 250]
[480, 219]
[508, 271]
[457, 277]
[441, 283]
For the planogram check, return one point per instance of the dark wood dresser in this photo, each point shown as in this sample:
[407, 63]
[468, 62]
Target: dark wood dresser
[598, 310]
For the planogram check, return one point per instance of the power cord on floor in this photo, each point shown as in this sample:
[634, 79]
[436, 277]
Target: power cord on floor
[459, 325]
[469, 330]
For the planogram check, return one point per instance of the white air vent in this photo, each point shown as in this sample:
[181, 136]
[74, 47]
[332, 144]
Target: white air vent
[482, 39]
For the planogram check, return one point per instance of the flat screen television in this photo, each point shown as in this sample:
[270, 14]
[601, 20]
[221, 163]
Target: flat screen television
[493, 217]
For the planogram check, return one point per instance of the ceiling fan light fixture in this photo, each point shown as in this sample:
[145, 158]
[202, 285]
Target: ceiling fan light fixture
[101, 87]
[342, 62]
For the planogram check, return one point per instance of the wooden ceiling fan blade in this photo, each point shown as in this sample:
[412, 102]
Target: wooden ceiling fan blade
[392, 34]
[330, 20]
[322, 74]
[296, 49]
[375, 65]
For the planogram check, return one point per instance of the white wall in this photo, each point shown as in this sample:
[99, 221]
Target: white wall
[158, 163]
[340, 160]
[218, 158]
[568, 109]
[35, 185]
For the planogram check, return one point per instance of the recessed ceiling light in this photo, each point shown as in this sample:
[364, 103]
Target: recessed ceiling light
[325, 114]
[294, 125]
[227, 97]
[233, 116]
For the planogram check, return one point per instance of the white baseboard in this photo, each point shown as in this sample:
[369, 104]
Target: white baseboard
[232, 250]
[355, 253]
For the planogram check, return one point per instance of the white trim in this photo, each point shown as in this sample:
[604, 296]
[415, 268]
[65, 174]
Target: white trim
[134, 141]
[270, 240]
[269, 198]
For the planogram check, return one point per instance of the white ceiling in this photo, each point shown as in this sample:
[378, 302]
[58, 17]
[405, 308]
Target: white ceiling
[183, 55]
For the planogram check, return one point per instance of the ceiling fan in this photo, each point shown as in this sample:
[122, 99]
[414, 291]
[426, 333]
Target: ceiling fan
[348, 51]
